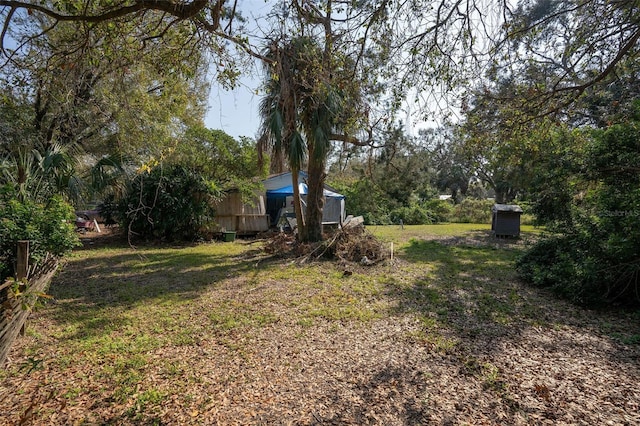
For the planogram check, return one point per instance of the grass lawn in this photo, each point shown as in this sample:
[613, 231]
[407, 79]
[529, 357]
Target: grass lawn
[221, 333]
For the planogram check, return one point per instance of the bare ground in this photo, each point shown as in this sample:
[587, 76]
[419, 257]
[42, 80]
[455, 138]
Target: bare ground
[549, 363]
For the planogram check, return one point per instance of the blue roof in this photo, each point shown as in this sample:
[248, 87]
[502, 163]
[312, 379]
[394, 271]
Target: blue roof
[288, 190]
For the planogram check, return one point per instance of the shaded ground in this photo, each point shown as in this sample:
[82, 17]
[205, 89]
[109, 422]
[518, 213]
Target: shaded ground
[218, 333]
[109, 236]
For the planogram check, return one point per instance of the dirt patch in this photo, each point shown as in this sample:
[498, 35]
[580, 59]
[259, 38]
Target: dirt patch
[109, 236]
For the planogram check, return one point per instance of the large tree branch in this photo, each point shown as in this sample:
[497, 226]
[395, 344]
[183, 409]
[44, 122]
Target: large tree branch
[179, 10]
[348, 139]
[5, 27]
[240, 42]
[182, 10]
[417, 39]
[548, 18]
[631, 42]
[369, 22]
[368, 141]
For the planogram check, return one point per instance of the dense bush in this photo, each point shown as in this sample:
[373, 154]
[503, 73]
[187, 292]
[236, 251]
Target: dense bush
[378, 217]
[472, 211]
[363, 198]
[413, 214]
[170, 203]
[595, 257]
[527, 217]
[439, 210]
[48, 227]
[583, 269]
[567, 265]
[432, 211]
[377, 207]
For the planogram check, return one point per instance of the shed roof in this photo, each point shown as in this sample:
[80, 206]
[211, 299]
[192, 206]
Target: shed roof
[280, 180]
[507, 208]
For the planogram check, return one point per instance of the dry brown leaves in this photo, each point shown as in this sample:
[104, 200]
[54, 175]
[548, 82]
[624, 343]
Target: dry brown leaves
[562, 371]
[350, 375]
[279, 244]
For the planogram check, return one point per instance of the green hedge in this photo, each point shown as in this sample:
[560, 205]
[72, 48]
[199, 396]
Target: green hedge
[472, 211]
[595, 257]
[432, 211]
[49, 228]
[168, 203]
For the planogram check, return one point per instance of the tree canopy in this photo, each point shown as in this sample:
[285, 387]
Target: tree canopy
[542, 94]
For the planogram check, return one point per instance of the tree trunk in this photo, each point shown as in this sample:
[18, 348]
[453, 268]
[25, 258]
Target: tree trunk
[504, 194]
[297, 203]
[315, 201]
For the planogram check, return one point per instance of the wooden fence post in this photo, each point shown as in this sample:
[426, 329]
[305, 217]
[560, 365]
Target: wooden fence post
[23, 260]
[14, 311]
[22, 267]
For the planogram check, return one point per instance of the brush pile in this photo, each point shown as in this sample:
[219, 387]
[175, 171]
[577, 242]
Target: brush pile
[356, 245]
[280, 244]
[348, 245]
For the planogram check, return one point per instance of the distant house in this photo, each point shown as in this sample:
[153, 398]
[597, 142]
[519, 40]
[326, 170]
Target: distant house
[279, 194]
[245, 218]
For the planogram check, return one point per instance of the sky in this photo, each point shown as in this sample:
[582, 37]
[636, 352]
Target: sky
[236, 111]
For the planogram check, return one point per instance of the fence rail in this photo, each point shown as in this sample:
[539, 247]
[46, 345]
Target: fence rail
[13, 313]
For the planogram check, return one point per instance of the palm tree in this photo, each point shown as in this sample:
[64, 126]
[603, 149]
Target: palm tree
[318, 116]
[279, 110]
[299, 115]
[109, 176]
[39, 172]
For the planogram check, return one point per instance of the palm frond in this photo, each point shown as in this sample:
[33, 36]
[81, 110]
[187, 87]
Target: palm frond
[297, 150]
[108, 175]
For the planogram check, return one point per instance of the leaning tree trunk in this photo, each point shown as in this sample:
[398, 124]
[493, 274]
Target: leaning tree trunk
[315, 200]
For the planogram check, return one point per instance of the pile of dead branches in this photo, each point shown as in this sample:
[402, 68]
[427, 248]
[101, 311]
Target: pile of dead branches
[280, 244]
[348, 245]
[357, 245]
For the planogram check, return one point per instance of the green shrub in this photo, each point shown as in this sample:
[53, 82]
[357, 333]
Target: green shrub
[170, 203]
[528, 216]
[378, 217]
[472, 211]
[412, 215]
[596, 258]
[432, 211]
[439, 210]
[580, 268]
[527, 219]
[49, 228]
[547, 262]
[364, 198]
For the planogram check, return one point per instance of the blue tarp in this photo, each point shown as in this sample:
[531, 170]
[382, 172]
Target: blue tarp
[288, 190]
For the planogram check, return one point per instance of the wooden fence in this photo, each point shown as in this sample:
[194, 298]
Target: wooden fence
[14, 310]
